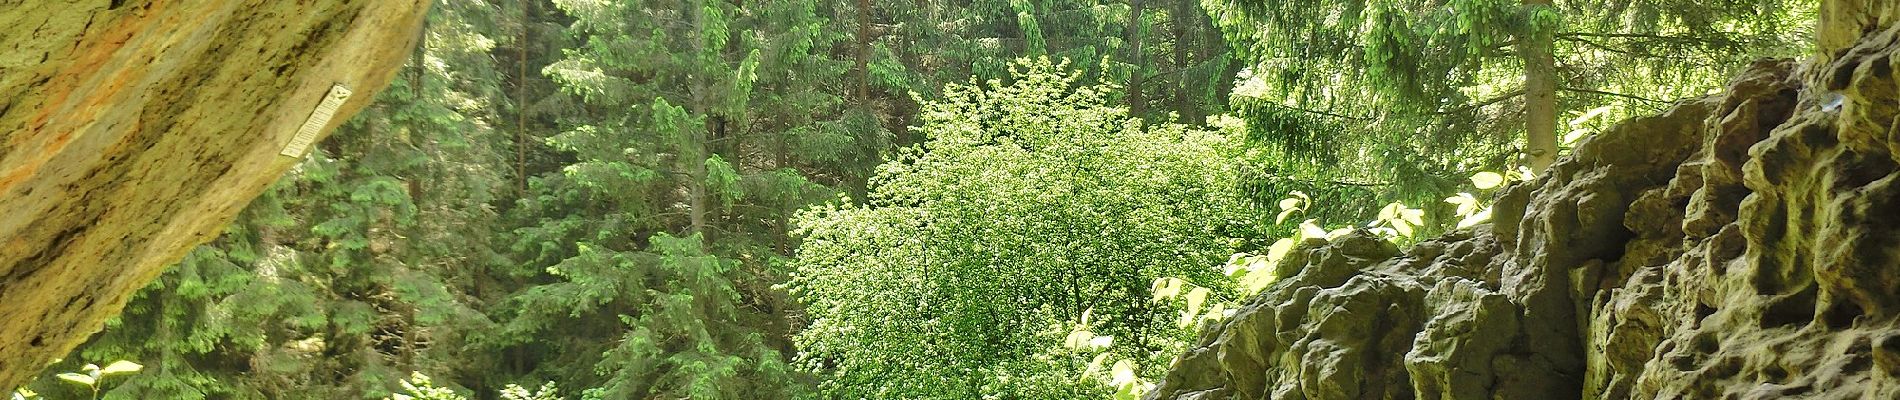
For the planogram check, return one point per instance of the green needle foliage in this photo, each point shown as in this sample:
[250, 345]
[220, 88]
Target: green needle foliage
[654, 246]
[724, 199]
[1408, 96]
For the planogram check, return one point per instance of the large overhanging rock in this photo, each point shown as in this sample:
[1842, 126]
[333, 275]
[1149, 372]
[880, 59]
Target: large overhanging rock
[131, 131]
[1740, 246]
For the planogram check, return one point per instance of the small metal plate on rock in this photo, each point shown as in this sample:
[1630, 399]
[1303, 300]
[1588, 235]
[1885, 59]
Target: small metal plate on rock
[319, 118]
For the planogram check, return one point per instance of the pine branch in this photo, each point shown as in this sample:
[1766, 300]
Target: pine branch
[1482, 104]
[1318, 112]
[1612, 94]
[1568, 35]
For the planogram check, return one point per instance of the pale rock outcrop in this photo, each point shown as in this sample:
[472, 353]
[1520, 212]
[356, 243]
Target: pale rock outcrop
[133, 130]
[1740, 246]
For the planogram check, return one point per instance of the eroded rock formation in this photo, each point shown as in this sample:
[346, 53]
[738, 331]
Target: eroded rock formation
[131, 131]
[1741, 246]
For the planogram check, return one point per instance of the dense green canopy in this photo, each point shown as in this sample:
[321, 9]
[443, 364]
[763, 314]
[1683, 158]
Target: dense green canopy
[722, 199]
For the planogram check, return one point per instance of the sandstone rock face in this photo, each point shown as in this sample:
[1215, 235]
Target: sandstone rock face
[1742, 246]
[131, 131]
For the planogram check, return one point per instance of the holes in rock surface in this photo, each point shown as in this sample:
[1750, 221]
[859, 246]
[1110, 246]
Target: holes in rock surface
[1702, 312]
[1797, 390]
[1725, 367]
[1841, 314]
[1793, 309]
[1858, 363]
[1774, 373]
[1682, 362]
[1857, 170]
[1842, 76]
[1707, 343]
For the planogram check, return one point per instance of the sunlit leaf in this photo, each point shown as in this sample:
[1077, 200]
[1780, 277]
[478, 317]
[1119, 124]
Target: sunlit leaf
[1413, 216]
[1101, 342]
[1216, 312]
[1094, 365]
[1166, 288]
[78, 378]
[1311, 230]
[1475, 219]
[121, 367]
[1122, 373]
[1288, 204]
[1077, 339]
[1487, 180]
[1194, 300]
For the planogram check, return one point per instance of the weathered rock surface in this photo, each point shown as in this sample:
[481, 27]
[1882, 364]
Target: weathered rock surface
[131, 131]
[1741, 246]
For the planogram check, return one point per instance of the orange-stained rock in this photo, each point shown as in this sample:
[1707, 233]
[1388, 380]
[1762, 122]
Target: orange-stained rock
[131, 131]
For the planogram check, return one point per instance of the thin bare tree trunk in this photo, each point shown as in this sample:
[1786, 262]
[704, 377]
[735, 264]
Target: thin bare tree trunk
[1540, 96]
[1137, 105]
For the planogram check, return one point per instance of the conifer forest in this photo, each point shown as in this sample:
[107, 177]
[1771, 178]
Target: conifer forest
[1007, 199]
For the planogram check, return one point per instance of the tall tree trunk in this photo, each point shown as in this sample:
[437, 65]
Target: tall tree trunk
[138, 131]
[863, 49]
[1540, 96]
[521, 104]
[1131, 34]
[1186, 95]
[695, 151]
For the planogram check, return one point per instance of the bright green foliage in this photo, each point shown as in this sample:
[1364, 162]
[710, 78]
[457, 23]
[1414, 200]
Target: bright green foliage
[421, 387]
[1426, 91]
[604, 193]
[1033, 204]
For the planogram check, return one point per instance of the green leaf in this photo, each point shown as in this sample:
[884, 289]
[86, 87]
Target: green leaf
[1475, 219]
[1078, 339]
[1095, 364]
[1166, 288]
[1413, 216]
[1194, 299]
[1311, 230]
[121, 367]
[1487, 180]
[1466, 203]
[1122, 373]
[78, 378]
[1218, 311]
[1288, 204]
[1102, 342]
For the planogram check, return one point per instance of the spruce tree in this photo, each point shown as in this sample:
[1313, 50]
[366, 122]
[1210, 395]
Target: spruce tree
[702, 125]
[349, 272]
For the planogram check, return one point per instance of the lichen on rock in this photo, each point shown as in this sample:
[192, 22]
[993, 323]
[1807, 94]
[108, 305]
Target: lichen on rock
[1744, 245]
